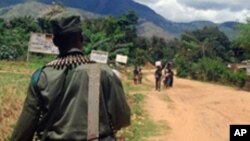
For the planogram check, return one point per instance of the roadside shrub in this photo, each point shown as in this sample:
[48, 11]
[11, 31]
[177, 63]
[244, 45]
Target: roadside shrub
[7, 53]
[182, 67]
[210, 69]
[236, 78]
[213, 70]
[195, 72]
[14, 39]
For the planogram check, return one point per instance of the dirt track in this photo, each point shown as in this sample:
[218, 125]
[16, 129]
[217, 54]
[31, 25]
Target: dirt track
[197, 111]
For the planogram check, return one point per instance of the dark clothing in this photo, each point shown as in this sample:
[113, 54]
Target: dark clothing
[70, 83]
[170, 65]
[157, 84]
[169, 78]
[158, 75]
[140, 76]
[136, 75]
[136, 72]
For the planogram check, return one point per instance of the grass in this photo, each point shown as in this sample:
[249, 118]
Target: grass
[12, 92]
[128, 86]
[14, 81]
[15, 77]
[141, 125]
[13, 84]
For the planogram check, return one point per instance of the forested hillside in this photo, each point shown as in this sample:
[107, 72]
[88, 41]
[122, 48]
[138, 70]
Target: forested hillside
[199, 54]
[118, 7]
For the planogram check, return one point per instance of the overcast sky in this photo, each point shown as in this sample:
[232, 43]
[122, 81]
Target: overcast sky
[189, 10]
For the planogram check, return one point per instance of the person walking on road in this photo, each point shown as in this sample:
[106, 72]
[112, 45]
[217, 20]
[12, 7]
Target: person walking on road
[136, 75]
[158, 75]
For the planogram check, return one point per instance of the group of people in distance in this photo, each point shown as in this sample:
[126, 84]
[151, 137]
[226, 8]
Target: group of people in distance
[168, 76]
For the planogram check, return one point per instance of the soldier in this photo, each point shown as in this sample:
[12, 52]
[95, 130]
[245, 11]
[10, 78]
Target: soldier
[56, 107]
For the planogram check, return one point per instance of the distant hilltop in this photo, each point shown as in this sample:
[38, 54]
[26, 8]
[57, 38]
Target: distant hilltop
[150, 22]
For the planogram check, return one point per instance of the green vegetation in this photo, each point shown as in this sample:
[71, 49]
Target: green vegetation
[204, 55]
[115, 35]
[145, 87]
[14, 80]
[15, 36]
[201, 54]
[244, 38]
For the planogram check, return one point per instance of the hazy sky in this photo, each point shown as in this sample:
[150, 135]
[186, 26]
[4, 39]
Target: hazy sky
[190, 10]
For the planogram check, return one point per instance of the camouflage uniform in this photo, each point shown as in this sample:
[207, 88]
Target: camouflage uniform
[60, 90]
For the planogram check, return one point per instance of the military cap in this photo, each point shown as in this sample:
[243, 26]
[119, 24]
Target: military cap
[65, 22]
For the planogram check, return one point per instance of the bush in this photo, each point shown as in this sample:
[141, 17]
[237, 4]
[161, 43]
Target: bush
[7, 53]
[15, 39]
[182, 67]
[236, 78]
[208, 69]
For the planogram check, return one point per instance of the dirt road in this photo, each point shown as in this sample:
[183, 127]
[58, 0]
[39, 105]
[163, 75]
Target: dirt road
[197, 111]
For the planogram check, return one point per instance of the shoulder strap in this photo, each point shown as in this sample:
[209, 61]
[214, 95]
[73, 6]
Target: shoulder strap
[93, 101]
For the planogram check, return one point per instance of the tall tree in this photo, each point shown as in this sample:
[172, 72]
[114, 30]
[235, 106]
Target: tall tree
[244, 37]
[108, 34]
[207, 42]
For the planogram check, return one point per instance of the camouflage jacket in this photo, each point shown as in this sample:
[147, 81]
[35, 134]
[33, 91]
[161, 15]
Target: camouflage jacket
[67, 77]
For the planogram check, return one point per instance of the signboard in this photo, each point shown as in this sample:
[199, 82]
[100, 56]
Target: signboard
[248, 71]
[121, 58]
[99, 56]
[42, 43]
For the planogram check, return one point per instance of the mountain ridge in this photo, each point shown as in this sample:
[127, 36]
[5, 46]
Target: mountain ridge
[118, 7]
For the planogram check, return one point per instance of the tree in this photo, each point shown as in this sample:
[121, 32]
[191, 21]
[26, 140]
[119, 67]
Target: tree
[140, 54]
[244, 37]
[203, 55]
[114, 35]
[27, 23]
[44, 24]
[15, 35]
[127, 23]
[207, 42]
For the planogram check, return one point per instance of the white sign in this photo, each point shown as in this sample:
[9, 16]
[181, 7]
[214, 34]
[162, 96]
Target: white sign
[121, 58]
[42, 43]
[99, 56]
[248, 71]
